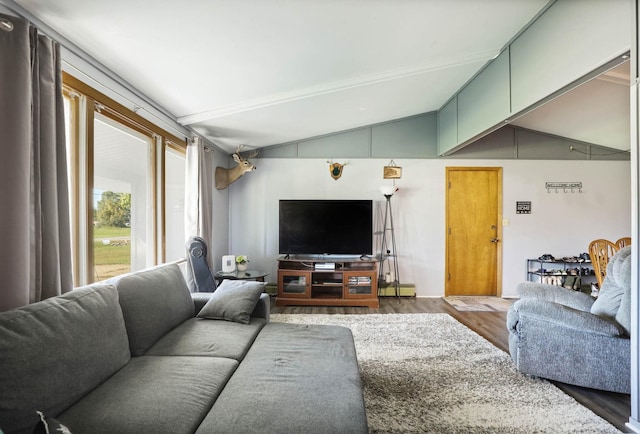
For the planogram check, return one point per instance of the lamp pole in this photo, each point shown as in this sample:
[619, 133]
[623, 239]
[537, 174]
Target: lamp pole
[385, 252]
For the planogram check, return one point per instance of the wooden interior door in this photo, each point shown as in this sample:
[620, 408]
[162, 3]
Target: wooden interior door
[473, 231]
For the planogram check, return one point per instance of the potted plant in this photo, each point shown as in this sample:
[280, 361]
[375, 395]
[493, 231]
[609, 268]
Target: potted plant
[241, 262]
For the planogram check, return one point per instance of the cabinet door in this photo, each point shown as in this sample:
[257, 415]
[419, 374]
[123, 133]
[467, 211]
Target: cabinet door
[294, 284]
[360, 284]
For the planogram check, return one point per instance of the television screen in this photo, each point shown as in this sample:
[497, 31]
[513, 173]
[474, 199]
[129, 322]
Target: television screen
[332, 227]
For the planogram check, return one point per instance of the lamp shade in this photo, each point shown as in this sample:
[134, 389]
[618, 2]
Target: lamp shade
[388, 190]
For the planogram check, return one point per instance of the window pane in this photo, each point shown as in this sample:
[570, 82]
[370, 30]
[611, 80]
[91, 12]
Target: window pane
[174, 204]
[123, 225]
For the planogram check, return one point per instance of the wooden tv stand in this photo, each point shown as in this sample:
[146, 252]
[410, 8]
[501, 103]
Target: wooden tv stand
[327, 281]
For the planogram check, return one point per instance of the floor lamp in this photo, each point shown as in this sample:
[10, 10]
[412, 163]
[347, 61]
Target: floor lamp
[387, 250]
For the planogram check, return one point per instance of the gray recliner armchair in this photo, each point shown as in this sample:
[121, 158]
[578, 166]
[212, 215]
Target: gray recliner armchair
[567, 336]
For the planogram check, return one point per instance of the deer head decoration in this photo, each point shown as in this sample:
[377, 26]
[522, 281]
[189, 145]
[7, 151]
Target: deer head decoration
[224, 177]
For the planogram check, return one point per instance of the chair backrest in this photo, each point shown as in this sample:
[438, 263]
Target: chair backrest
[600, 251]
[623, 242]
[199, 276]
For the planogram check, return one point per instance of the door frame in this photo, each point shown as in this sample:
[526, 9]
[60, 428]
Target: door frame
[499, 218]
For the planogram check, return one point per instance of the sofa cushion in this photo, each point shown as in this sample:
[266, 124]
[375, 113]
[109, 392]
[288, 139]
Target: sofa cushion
[614, 286]
[153, 302]
[234, 300]
[152, 395]
[287, 383]
[55, 351]
[201, 337]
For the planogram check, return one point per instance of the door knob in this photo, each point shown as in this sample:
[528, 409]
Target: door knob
[494, 240]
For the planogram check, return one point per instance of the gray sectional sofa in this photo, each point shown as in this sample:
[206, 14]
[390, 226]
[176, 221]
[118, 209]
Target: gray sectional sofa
[132, 356]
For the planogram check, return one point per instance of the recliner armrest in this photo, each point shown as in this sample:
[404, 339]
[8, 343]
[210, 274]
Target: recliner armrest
[561, 316]
[556, 294]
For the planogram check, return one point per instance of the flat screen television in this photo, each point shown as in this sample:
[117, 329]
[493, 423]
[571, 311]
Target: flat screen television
[326, 227]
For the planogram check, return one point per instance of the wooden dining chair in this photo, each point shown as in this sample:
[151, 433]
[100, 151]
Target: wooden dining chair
[623, 242]
[600, 251]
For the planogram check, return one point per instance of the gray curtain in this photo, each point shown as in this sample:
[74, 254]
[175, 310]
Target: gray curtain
[34, 221]
[199, 199]
[199, 192]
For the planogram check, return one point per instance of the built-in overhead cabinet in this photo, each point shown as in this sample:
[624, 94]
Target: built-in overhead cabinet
[571, 39]
[566, 43]
[413, 137]
[448, 126]
[485, 101]
[354, 143]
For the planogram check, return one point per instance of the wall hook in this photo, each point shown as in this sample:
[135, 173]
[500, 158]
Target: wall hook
[565, 186]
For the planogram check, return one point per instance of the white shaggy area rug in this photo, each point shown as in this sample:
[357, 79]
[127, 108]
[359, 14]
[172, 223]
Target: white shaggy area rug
[428, 373]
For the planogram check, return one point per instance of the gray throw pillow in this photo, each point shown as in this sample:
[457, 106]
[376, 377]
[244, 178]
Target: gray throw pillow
[234, 300]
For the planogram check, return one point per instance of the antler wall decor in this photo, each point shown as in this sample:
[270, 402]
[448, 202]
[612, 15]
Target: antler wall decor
[335, 169]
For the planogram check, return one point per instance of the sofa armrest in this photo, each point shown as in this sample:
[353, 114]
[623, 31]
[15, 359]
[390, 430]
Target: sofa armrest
[561, 316]
[200, 299]
[556, 294]
[262, 309]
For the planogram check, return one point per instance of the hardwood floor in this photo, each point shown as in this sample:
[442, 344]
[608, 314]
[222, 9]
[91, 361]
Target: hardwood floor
[614, 407]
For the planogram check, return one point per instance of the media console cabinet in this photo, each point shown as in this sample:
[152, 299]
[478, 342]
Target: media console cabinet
[322, 281]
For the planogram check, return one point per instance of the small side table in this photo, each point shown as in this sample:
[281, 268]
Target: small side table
[241, 275]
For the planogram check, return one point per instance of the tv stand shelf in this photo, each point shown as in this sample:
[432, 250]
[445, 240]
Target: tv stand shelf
[327, 281]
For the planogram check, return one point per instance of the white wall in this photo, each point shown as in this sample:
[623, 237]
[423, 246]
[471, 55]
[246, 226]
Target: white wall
[219, 215]
[561, 224]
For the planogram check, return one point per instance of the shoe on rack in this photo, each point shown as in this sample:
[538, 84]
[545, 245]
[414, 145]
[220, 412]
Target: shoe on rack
[569, 282]
[547, 257]
[577, 284]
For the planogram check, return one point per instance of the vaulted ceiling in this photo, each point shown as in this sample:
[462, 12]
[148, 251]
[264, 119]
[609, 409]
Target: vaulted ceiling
[264, 72]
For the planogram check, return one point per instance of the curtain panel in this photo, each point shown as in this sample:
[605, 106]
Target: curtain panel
[34, 223]
[199, 193]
